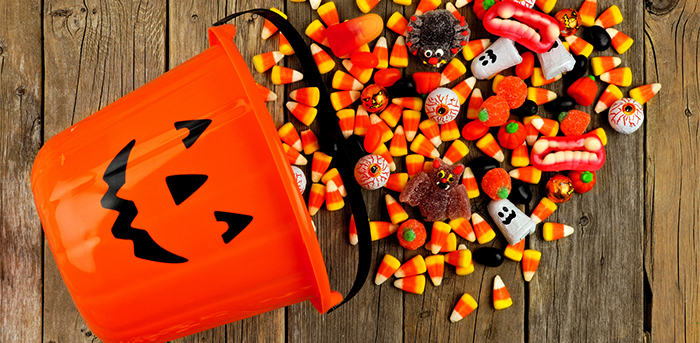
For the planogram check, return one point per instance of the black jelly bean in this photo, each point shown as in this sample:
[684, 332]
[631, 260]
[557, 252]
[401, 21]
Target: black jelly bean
[490, 257]
[598, 37]
[561, 104]
[580, 68]
[405, 87]
[481, 165]
[529, 108]
[520, 192]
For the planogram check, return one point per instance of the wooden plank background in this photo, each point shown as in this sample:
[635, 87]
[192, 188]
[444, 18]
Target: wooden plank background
[630, 273]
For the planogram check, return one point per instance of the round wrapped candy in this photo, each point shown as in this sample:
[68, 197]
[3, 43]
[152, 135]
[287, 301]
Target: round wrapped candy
[626, 115]
[568, 21]
[372, 172]
[442, 105]
[374, 98]
[560, 189]
[300, 177]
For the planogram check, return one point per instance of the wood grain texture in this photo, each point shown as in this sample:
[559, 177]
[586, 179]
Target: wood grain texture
[21, 103]
[672, 254]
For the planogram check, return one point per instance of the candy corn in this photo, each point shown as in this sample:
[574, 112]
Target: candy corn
[604, 63]
[268, 28]
[527, 174]
[423, 146]
[334, 201]
[412, 267]
[520, 157]
[293, 156]
[384, 153]
[283, 75]
[439, 236]
[554, 231]
[381, 50]
[403, 2]
[285, 47]
[601, 134]
[455, 153]
[265, 61]
[474, 48]
[328, 13]
[531, 260]
[426, 5]
[346, 121]
[413, 284]
[537, 78]
[464, 271]
[317, 32]
[397, 23]
[459, 258]
[343, 99]
[361, 121]
[396, 182]
[474, 106]
[436, 268]
[431, 130]
[644, 93]
[314, 4]
[308, 96]
[464, 88]
[449, 246]
[545, 5]
[305, 114]
[396, 213]
[495, 81]
[464, 307]
[462, 3]
[391, 115]
[579, 46]
[463, 228]
[386, 269]
[266, 94]
[532, 132]
[543, 210]
[619, 77]
[316, 197]
[398, 146]
[453, 70]
[399, 54]
[450, 7]
[319, 165]
[501, 297]
[609, 96]
[490, 147]
[344, 81]
[366, 5]
[620, 41]
[289, 135]
[361, 74]
[611, 17]
[547, 127]
[586, 14]
[353, 238]
[469, 181]
[324, 62]
[449, 131]
[515, 252]
[411, 121]
[383, 128]
[411, 103]
[540, 96]
[414, 164]
[482, 229]
[379, 230]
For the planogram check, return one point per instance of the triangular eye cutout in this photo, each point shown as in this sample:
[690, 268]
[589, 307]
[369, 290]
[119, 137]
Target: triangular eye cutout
[236, 223]
[196, 128]
[183, 186]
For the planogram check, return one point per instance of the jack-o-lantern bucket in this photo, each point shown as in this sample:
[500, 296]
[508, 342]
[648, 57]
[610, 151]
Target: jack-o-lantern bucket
[174, 209]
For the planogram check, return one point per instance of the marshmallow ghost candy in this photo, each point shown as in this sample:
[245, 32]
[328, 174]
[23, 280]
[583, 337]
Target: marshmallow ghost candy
[514, 224]
[500, 56]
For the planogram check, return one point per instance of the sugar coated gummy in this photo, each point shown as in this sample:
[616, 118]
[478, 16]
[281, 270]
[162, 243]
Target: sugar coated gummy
[513, 90]
[574, 122]
[496, 184]
[494, 111]
[412, 234]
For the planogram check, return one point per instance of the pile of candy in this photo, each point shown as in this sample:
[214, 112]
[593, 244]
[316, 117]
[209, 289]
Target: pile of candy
[431, 182]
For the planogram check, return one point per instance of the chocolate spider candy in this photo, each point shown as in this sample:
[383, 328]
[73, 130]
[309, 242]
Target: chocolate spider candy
[435, 37]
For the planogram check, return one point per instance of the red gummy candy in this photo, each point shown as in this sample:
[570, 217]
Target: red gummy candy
[387, 77]
[373, 138]
[364, 59]
[474, 130]
[412, 234]
[426, 81]
[514, 90]
[574, 122]
[494, 111]
[525, 68]
[496, 184]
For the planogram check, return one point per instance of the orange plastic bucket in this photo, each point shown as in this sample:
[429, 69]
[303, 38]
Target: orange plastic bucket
[174, 209]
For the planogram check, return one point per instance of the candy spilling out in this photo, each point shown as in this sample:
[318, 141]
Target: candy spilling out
[411, 118]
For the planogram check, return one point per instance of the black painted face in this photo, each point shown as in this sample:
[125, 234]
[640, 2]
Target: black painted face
[181, 188]
[506, 215]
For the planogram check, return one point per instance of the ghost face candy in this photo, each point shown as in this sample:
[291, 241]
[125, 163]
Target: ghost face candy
[556, 61]
[500, 56]
[514, 224]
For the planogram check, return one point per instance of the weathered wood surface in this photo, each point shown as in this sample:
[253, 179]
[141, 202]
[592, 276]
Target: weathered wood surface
[629, 273]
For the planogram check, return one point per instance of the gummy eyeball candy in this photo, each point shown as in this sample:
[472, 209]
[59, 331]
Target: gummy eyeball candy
[374, 98]
[300, 178]
[442, 105]
[372, 172]
[626, 115]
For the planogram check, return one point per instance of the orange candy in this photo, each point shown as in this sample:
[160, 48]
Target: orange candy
[381, 51]
[488, 145]
[379, 230]
[334, 175]
[319, 165]
[520, 156]
[361, 74]
[426, 81]
[464, 307]
[398, 146]
[399, 54]
[436, 268]
[411, 103]
[620, 41]
[328, 13]
[309, 142]
[343, 99]
[411, 121]
[513, 90]
[346, 121]
[459, 258]
[266, 94]
[317, 32]
[525, 68]
[439, 235]
[501, 297]
[308, 96]
[463, 228]
[464, 88]
[455, 153]
[423, 146]
[474, 104]
[397, 23]
[265, 61]
[515, 252]
[387, 77]
[431, 130]
[362, 122]
[391, 115]
[396, 182]
[412, 267]
[531, 260]
[396, 213]
[494, 111]
[386, 269]
[413, 284]
[609, 96]
[353, 239]
[496, 184]
[543, 210]
[323, 61]
[426, 5]
[449, 131]
[474, 48]
[414, 164]
[305, 114]
[293, 156]
[289, 135]
[469, 181]
[482, 229]
[316, 197]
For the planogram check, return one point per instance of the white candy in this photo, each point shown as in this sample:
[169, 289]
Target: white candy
[500, 56]
[372, 172]
[514, 224]
[626, 115]
[442, 105]
[300, 178]
[556, 61]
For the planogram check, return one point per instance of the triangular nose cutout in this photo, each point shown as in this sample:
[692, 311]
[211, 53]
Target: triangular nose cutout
[196, 128]
[183, 186]
[236, 223]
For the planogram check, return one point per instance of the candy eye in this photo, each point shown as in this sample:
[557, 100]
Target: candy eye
[450, 178]
[439, 53]
[442, 110]
[428, 53]
[629, 109]
[441, 174]
[375, 170]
